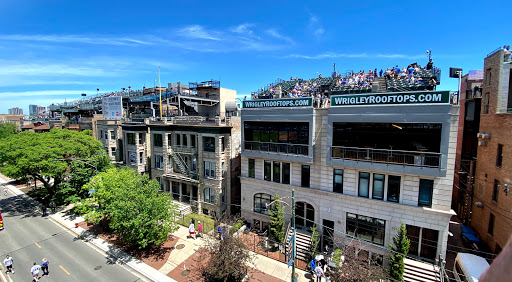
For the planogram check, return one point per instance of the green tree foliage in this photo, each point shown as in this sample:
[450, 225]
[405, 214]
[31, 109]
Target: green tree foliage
[276, 213]
[131, 205]
[398, 253]
[314, 242]
[29, 154]
[228, 260]
[7, 129]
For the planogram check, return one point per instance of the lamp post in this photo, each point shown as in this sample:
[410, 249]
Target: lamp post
[293, 227]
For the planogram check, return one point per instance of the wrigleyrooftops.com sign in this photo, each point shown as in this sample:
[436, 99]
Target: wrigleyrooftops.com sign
[426, 97]
[278, 103]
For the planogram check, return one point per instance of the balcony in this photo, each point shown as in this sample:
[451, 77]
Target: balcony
[184, 149]
[281, 148]
[408, 158]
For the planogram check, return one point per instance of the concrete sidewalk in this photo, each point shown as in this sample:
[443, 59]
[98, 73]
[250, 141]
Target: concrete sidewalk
[188, 247]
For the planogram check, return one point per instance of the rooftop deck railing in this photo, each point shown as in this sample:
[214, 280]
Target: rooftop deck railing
[285, 148]
[410, 158]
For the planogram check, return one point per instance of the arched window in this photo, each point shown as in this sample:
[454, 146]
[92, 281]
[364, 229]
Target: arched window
[260, 202]
[209, 195]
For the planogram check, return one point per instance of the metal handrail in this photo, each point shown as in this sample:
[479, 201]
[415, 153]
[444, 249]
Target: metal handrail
[287, 148]
[412, 158]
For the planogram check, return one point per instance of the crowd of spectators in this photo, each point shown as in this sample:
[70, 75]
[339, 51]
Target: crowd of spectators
[360, 79]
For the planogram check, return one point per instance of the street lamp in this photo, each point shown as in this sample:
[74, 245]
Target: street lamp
[294, 237]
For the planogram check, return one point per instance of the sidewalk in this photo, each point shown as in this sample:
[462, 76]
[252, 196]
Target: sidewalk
[183, 261]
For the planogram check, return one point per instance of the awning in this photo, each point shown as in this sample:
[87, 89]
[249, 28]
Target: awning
[231, 106]
[467, 229]
[471, 237]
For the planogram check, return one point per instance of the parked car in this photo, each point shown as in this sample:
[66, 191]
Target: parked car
[469, 267]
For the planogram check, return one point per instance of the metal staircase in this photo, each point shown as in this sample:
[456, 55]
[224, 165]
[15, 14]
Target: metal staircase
[183, 166]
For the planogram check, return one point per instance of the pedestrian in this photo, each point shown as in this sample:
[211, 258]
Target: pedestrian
[193, 221]
[319, 272]
[191, 230]
[200, 229]
[44, 267]
[35, 271]
[8, 261]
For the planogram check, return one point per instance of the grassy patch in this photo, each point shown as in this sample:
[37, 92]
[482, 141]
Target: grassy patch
[208, 222]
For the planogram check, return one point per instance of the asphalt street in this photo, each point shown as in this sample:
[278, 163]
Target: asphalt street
[28, 237]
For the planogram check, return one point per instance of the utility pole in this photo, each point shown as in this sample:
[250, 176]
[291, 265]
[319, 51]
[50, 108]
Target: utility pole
[294, 235]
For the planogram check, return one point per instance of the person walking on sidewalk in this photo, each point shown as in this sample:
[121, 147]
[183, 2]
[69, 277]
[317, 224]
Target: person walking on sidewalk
[199, 229]
[191, 230]
[319, 272]
[44, 267]
[8, 264]
[35, 271]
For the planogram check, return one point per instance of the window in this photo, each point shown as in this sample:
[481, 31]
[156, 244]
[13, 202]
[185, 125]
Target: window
[178, 139]
[192, 141]
[267, 168]
[209, 169]
[252, 168]
[169, 162]
[378, 186]
[132, 157]
[366, 228]
[106, 135]
[141, 138]
[490, 230]
[364, 184]
[194, 164]
[112, 135]
[337, 186]
[222, 143]
[113, 151]
[223, 166]
[131, 138]
[101, 134]
[141, 157]
[286, 173]
[159, 161]
[276, 174]
[209, 144]
[499, 155]
[393, 188]
[169, 140]
[488, 77]
[209, 195]
[185, 140]
[495, 190]
[486, 103]
[425, 196]
[305, 177]
[260, 203]
[158, 140]
[160, 182]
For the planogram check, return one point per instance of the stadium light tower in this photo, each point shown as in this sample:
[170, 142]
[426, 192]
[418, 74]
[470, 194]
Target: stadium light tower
[429, 53]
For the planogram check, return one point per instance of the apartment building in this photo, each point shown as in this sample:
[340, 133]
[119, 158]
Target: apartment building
[359, 168]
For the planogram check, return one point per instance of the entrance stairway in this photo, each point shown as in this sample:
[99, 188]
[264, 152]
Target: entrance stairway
[303, 243]
[420, 271]
[382, 84]
[183, 208]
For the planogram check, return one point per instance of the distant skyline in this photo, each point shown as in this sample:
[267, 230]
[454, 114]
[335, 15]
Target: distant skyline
[52, 51]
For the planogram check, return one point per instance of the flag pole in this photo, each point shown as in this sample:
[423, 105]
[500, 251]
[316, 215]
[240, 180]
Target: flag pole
[160, 88]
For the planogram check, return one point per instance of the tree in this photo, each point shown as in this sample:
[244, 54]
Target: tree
[398, 253]
[35, 154]
[7, 129]
[314, 242]
[228, 260]
[276, 213]
[131, 205]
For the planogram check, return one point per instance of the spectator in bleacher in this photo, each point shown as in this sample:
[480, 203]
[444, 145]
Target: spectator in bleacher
[380, 73]
[507, 53]
[375, 73]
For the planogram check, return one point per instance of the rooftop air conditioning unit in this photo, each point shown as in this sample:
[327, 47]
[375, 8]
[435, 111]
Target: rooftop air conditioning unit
[484, 135]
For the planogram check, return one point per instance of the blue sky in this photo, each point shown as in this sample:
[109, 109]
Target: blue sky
[54, 50]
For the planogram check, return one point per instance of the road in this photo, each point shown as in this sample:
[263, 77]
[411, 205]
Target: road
[28, 237]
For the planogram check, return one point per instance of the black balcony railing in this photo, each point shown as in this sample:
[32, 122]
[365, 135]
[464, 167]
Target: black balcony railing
[285, 148]
[411, 158]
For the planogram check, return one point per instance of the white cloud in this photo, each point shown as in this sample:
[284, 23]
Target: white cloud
[315, 27]
[243, 28]
[198, 32]
[92, 39]
[274, 33]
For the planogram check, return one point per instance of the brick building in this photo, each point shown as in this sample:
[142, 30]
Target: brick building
[491, 209]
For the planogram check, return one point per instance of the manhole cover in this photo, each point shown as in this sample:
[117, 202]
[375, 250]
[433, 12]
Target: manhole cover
[185, 272]
[97, 267]
[180, 246]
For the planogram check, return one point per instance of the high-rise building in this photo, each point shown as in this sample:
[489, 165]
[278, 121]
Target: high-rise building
[35, 110]
[16, 111]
